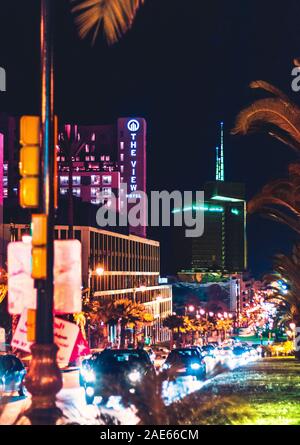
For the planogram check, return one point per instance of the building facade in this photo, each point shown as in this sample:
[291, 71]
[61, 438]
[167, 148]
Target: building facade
[130, 267]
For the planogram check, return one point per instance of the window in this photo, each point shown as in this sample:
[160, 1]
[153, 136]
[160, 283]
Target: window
[95, 179]
[122, 157]
[106, 179]
[122, 145]
[64, 180]
[87, 149]
[78, 235]
[95, 192]
[63, 234]
[63, 191]
[106, 191]
[122, 169]
[76, 191]
[76, 180]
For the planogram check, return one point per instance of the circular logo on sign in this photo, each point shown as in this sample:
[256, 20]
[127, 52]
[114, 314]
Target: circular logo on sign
[133, 125]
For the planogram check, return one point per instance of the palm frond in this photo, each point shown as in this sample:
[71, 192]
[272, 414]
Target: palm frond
[115, 17]
[266, 86]
[283, 118]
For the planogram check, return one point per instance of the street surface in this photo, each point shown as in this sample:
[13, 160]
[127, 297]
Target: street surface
[269, 388]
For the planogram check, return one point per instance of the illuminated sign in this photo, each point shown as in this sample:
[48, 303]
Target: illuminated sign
[133, 125]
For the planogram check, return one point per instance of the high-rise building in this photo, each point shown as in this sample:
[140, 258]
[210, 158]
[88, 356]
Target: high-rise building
[223, 245]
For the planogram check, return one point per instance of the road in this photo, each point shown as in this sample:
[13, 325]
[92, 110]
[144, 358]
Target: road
[268, 388]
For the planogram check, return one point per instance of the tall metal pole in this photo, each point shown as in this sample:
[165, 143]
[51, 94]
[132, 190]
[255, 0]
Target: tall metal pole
[44, 378]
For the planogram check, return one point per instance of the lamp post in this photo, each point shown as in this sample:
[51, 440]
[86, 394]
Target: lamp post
[44, 379]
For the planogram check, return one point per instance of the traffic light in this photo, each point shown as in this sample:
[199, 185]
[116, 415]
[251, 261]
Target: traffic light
[31, 323]
[29, 164]
[39, 249]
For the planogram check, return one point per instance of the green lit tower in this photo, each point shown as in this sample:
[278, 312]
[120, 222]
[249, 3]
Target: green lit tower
[223, 245]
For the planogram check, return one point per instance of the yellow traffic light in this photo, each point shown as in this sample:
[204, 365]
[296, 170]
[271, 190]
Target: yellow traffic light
[29, 192]
[39, 229]
[31, 323]
[39, 263]
[29, 164]
[30, 130]
[29, 161]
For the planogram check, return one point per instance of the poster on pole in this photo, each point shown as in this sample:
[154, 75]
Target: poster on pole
[65, 337]
[67, 277]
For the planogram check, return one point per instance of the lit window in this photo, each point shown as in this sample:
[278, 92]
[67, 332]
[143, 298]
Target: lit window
[87, 149]
[95, 179]
[93, 137]
[87, 158]
[102, 158]
[106, 179]
[122, 169]
[76, 180]
[63, 191]
[76, 191]
[92, 158]
[64, 180]
[107, 158]
[106, 191]
[122, 157]
[95, 192]
[122, 145]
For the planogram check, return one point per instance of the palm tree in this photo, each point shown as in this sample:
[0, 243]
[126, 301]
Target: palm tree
[224, 325]
[280, 117]
[115, 17]
[174, 323]
[128, 312]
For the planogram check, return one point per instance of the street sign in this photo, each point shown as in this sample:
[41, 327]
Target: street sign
[65, 337]
[67, 277]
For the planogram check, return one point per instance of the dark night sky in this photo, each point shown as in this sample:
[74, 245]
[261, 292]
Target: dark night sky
[184, 66]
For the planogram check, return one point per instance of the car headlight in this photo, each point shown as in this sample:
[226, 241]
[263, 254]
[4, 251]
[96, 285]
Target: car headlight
[195, 366]
[134, 376]
[88, 375]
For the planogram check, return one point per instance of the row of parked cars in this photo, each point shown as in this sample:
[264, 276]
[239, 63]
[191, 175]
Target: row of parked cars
[114, 371]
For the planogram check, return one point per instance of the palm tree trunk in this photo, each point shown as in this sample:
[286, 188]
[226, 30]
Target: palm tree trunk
[122, 335]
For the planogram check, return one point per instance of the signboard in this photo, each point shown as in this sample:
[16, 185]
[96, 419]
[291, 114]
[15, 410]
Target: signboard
[67, 277]
[81, 348]
[65, 336]
[2, 340]
[132, 160]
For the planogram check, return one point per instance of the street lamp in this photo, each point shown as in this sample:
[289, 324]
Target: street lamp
[99, 271]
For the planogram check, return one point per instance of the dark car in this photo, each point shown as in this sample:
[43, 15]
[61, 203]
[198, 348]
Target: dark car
[184, 362]
[12, 373]
[115, 371]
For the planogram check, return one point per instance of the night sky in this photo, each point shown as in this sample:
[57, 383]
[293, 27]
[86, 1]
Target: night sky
[184, 66]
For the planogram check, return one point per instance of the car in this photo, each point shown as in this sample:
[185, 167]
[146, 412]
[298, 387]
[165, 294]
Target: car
[211, 357]
[115, 371]
[150, 352]
[241, 352]
[224, 354]
[83, 368]
[183, 362]
[12, 373]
